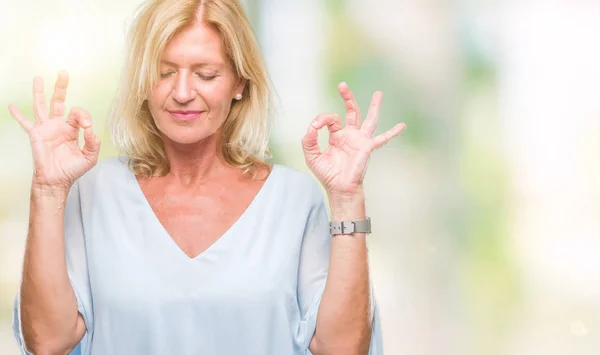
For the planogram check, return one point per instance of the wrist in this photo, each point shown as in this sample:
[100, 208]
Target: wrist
[347, 206]
[58, 192]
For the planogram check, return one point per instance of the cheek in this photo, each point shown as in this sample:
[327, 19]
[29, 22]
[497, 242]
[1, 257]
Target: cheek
[217, 98]
[159, 95]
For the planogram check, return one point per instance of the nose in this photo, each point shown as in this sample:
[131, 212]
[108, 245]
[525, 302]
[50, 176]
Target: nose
[183, 91]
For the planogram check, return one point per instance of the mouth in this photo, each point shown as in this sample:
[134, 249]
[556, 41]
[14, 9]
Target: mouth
[185, 115]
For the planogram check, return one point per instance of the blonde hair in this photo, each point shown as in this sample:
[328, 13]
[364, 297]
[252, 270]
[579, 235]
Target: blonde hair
[246, 130]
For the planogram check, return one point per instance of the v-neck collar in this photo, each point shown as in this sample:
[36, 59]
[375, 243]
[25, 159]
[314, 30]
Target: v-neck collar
[219, 242]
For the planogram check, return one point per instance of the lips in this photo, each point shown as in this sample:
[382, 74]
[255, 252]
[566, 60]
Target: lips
[185, 115]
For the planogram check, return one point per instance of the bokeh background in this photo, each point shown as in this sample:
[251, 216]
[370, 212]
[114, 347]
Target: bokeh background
[486, 209]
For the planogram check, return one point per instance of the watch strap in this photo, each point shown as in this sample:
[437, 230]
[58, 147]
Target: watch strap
[349, 227]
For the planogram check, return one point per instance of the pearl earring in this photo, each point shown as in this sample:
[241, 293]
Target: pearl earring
[238, 97]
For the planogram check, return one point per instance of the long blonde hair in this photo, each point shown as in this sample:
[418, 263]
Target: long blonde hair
[246, 130]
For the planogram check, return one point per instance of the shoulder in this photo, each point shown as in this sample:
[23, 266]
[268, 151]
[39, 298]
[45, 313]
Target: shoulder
[105, 173]
[107, 178]
[297, 184]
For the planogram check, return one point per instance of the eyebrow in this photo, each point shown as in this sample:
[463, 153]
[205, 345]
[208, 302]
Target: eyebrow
[195, 65]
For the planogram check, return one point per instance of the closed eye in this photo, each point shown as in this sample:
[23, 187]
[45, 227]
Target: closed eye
[206, 77]
[164, 75]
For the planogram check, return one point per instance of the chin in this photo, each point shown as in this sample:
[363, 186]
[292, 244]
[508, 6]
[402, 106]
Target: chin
[182, 135]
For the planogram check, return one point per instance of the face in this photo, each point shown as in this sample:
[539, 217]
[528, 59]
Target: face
[197, 84]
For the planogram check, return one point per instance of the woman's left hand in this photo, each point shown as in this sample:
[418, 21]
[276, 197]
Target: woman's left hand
[341, 167]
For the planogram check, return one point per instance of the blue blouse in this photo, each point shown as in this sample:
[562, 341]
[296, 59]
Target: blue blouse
[255, 291]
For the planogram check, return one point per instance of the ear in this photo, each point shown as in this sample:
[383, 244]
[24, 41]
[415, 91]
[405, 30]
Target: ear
[240, 87]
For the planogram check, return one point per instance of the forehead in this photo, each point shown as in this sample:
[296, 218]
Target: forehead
[196, 44]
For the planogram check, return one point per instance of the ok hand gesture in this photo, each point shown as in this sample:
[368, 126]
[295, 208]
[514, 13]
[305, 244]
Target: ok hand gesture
[58, 159]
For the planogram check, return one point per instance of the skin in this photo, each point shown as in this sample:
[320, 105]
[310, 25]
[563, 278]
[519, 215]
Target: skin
[195, 76]
[50, 321]
[344, 321]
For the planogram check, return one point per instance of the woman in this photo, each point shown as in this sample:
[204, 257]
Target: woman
[190, 243]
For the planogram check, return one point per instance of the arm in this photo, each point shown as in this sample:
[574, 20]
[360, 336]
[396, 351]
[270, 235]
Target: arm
[46, 318]
[50, 321]
[344, 321]
[345, 317]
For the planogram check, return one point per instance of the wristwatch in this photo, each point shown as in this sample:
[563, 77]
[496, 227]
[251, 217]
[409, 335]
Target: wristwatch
[349, 227]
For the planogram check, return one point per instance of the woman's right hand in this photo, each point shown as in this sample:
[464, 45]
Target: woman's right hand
[58, 160]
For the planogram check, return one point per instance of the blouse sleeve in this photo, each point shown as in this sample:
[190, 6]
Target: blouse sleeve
[312, 274]
[77, 269]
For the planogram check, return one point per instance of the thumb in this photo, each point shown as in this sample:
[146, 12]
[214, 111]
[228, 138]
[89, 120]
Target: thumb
[310, 145]
[91, 146]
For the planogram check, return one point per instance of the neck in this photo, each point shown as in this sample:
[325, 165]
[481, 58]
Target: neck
[192, 164]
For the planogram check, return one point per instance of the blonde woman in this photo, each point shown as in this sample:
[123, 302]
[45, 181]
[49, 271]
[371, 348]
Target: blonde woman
[189, 243]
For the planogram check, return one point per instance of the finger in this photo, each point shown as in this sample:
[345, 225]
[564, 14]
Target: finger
[387, 136]
[57, 103]
[91, 146]
[310, 145]
[23, 121]
[331, 120]
[370, 124]
[352, 109]
[39, 106]
[79, 118]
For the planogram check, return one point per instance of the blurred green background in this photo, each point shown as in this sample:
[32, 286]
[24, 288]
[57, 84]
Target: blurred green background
[486, 209]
